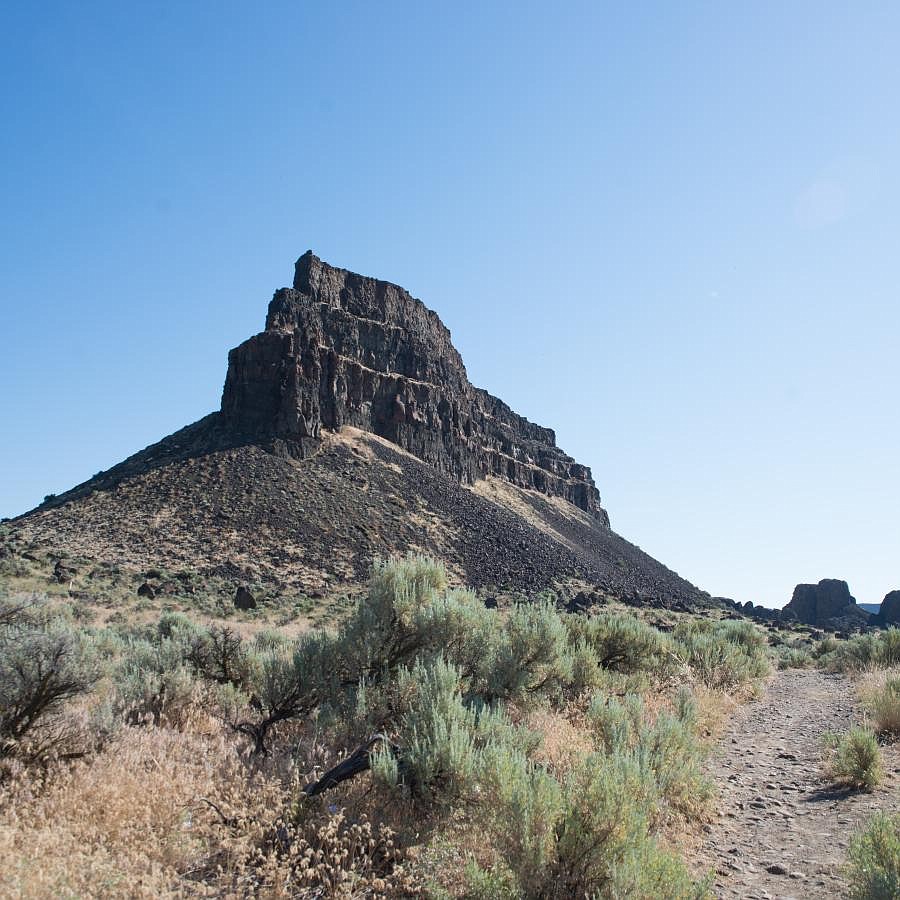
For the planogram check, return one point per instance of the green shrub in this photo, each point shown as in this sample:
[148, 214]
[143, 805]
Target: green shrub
[408, 617]
[458, 625]
[268, 640]
[723, 656]
[856, 760]
[444, 737]
[531, 656]
[586, 837]
[874, 866]
[604, 821]
[824, 647]
[436, 731]
[624, 643]
[666, 752]
[291, 683]
[717, 664]
[521, 806]
[669, 751]
[794, 658]
[496, 883]
[616, 723]
[889, 648]
[586, 672]
[862, 652]
[220, 656]
[858, 654]
[743, 633]
[686, 706]
[43, 664]
[153, 685]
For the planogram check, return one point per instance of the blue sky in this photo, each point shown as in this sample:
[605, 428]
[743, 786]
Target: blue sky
[669, 231]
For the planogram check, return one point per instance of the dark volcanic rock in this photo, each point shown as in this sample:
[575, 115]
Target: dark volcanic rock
[890, 609]
[146, 590]
[63, 572]
[243, 599]
[342, 349]
[348, 431]
[817, 604]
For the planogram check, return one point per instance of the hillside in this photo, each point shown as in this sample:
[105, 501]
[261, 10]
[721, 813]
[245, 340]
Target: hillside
[349, 430]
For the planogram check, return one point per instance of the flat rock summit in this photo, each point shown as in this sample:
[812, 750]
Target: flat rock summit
[349, 429]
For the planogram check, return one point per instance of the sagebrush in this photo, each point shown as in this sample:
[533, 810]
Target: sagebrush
[222, 732]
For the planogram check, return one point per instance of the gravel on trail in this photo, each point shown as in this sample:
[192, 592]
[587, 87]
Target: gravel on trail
[783, 830]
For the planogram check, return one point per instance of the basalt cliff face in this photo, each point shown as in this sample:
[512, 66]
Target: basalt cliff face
[341, 349]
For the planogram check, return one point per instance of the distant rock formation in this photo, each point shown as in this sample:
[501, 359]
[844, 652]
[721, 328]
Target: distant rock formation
[825, 603]
[342, 349]
[890, 609]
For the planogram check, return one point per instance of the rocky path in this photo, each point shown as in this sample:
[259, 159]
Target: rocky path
[782, 830]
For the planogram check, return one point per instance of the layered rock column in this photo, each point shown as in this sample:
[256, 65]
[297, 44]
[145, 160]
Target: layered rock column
[342, 349]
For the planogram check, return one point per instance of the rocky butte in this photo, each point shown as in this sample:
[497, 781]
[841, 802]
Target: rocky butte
[341, 349]
[349, 429]
[827, 603]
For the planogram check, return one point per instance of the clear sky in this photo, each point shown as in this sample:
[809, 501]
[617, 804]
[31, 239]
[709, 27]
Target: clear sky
[670, 231]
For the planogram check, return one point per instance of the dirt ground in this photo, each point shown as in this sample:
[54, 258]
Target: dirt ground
[783, 829]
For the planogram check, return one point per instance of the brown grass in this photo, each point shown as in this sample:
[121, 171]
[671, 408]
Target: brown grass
[881, 703]
[714, 709]
[166, 814]
[562, 740]
[127, 823]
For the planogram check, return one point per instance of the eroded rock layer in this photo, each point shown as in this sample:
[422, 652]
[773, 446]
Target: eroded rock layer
[342, 349]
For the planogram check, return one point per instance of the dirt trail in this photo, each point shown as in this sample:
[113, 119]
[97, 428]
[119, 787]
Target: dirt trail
[782, 830]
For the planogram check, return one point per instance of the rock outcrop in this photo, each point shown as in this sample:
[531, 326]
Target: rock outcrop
[348, 431]
[889, 614]
[826, 602]
[342, 349]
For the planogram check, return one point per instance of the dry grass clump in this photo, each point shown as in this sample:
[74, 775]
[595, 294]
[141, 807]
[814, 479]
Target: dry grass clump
[121, 822]
[161, 813]
[563, 741]
[880, 692]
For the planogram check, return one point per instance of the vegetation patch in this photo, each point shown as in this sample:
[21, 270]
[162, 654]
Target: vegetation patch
[855, 758]
[874, 867]
[427, 746]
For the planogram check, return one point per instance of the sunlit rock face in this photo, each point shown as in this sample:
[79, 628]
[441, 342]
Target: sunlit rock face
[342, 349]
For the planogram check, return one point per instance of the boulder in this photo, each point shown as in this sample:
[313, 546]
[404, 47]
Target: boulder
[63, 572]
[146, 590]
[583, 601]
[243, 599]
